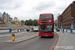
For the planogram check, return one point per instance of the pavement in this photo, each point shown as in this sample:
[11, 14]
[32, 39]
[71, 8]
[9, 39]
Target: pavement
[66, 41]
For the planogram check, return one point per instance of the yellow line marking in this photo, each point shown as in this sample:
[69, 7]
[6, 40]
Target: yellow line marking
[57, 45]
[58, 42]
[61, 35]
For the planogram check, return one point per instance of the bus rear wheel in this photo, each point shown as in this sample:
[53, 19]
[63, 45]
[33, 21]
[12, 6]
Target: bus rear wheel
[51, 36]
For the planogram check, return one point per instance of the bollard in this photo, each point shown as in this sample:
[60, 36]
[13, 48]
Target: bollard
[13, 36]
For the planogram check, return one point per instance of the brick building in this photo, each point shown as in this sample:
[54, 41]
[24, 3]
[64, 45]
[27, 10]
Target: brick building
[59, 21]
[66, 17]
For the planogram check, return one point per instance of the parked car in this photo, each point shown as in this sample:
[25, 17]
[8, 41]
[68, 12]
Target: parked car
[28, 30]
[35, 29]
[57, 29]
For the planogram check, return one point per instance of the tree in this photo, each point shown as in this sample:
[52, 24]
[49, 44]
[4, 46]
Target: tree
[22, 22]
[35, 22]
[56, 22]
[31, 22]
[27, 22]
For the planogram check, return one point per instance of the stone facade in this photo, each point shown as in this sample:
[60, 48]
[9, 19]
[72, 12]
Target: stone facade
[5, 19]
[5, 15]
[1, 21]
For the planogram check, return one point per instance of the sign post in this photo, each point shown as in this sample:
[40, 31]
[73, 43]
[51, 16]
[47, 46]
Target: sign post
[13, 36]
[38, 26]
[54, 25]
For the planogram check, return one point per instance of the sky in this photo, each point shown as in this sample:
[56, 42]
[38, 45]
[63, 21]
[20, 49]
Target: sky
[30, 9]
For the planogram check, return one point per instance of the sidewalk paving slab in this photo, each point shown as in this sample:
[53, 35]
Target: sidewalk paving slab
[66, 41]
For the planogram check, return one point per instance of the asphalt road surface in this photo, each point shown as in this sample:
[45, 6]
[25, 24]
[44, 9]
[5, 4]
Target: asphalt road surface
[16, 36]
[36, 43]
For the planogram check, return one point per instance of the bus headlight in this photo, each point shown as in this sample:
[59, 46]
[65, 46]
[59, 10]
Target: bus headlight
[52, 32]
[40, 32]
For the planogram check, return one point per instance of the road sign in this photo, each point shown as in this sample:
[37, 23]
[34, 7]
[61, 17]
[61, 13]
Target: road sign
[13, 36]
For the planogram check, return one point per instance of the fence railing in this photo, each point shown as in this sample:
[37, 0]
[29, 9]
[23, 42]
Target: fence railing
[7, 30]
[67, 30]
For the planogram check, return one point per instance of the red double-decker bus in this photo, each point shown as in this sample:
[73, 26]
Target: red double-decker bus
[46, 25]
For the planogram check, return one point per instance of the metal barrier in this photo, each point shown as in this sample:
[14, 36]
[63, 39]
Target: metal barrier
[68, 30]
[7, 30]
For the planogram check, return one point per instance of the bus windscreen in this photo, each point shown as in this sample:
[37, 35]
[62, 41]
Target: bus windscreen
[46, 28]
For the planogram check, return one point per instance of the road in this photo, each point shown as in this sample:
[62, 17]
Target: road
[36, 43]
[17, 36]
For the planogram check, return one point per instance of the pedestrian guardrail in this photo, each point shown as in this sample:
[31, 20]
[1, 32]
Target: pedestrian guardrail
[7, 30]
[67, 30]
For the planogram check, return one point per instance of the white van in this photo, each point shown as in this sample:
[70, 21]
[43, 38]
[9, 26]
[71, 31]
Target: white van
[35, 28]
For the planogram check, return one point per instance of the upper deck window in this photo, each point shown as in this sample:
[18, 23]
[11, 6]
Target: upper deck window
[46, 16]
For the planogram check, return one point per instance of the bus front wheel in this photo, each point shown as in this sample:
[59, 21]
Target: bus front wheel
[52, 37]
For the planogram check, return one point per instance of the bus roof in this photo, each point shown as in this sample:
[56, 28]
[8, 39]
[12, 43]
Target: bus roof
[46, 14]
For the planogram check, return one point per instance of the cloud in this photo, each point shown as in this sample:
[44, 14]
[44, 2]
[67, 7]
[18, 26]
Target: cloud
[44, 5]
[9, 7]
[5, 1]
[30, 9]
[10, 4]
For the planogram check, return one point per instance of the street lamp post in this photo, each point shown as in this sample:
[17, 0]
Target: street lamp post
[9, 25]
[61, 25]
[57, 21]
[71, 24]
[26, 25]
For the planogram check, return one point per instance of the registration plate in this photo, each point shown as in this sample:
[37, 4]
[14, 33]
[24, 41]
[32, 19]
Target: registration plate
[46, 35]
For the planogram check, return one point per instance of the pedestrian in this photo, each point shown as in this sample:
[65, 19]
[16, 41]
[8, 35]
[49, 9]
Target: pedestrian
[63, 30]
